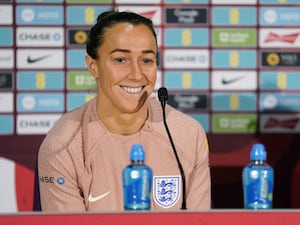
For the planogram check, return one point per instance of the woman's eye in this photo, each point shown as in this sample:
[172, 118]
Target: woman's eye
[119, 60]
[147, 61]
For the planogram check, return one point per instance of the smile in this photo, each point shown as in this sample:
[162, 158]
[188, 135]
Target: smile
[132, 90]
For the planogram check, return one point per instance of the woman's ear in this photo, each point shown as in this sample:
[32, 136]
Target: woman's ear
[91, 64]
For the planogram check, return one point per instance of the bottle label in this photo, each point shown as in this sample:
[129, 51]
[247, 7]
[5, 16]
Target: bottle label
[166, 190]
[137, 189]
[258, 189]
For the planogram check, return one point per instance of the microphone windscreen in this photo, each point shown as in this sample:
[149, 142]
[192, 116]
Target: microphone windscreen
[162, 94]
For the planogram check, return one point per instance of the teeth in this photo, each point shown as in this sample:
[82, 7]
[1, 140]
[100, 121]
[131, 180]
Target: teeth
[132, 90]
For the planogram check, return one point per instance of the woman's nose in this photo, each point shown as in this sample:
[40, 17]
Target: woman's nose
[136, 70]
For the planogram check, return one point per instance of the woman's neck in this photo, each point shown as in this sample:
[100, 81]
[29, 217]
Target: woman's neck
[124, 124]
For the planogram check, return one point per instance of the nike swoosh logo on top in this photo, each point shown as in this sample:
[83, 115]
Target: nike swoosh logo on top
[34, 60]
[94, 199]
[229, 81]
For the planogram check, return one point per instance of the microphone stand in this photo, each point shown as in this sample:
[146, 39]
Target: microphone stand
[163, 97]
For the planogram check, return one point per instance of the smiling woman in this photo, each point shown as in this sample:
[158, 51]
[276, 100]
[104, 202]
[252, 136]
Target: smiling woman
[89, 146]
[124, 67]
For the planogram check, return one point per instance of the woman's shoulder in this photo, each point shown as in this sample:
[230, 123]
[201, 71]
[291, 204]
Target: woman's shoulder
[70, 122]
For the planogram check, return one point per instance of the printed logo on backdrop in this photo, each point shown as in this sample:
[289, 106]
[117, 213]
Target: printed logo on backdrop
[186, 80]
[6, 102]
[239, 2]
[83, 15]
[187, 16]
[279, 16]
[186, 59]
[89, 1]
[280, 59]
[40, 1]
[273, 80]
[188, 101]
[40, 58]
[234, 80]
[36, 124]
[75, 59]
[39, 15]
[236, 37]
[7, 124]
[40, 102]
[77, 99]
[289, 38]
[234, 16]
[186, 37]
[237, 59]
[234, 102]
[279, 2]
[6, 34]
[280, 123]
[40, 80]
[77, 36]
[151, 12]
[6, 58]
[234, 123]
[138, 1]
[40, 37]
[80, 80]
[279, 38]
[166, 190]
[284, 102]
[6, 14]
[6, 81]
[186, 1]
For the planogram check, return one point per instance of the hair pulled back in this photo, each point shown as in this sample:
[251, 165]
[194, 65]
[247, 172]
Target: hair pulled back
[108, 19]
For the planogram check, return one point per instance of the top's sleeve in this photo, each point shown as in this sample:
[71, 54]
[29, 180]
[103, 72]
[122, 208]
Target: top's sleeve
[199, 187]
[59, 189]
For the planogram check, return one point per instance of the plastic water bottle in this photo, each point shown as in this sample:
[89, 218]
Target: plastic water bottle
[137, 181]
[258, 179]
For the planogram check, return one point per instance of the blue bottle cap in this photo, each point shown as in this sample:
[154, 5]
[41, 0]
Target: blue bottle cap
[137, 152]
[258, 152]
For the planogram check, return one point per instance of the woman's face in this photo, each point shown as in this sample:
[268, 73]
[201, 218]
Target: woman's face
[126, 67]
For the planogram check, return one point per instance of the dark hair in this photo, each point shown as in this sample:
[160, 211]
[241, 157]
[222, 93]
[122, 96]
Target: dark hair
[108, 19]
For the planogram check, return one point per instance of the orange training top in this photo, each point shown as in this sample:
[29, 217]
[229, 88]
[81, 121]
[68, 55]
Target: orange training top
[81, 162]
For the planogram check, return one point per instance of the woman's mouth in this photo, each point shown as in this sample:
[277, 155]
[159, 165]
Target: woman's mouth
[132, 90]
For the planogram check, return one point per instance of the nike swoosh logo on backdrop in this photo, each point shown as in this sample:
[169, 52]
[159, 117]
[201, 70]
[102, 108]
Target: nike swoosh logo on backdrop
[94, 199]
[34, 60]
[229, 81]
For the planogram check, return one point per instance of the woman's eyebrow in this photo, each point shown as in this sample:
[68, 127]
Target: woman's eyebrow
[128, 51]
[119, 50]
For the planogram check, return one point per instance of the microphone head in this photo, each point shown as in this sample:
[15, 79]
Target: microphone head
[162, 94]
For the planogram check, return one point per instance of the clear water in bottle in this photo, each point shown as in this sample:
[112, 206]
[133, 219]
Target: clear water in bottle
[137, 181]
[258, 178]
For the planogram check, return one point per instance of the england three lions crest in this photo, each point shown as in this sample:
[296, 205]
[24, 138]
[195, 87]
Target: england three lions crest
[166, 190]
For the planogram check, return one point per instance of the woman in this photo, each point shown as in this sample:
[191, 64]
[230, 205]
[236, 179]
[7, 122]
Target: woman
[83, 155]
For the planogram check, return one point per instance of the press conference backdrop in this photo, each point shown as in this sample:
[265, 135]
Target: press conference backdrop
[233, 65]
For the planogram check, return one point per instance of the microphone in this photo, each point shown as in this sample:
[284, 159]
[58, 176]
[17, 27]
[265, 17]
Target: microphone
[163, 97]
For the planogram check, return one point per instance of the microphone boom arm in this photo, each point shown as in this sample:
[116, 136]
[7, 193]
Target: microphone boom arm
[163, 96]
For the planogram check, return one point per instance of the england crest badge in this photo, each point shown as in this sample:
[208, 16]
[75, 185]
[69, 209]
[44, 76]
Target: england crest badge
[166, 190]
